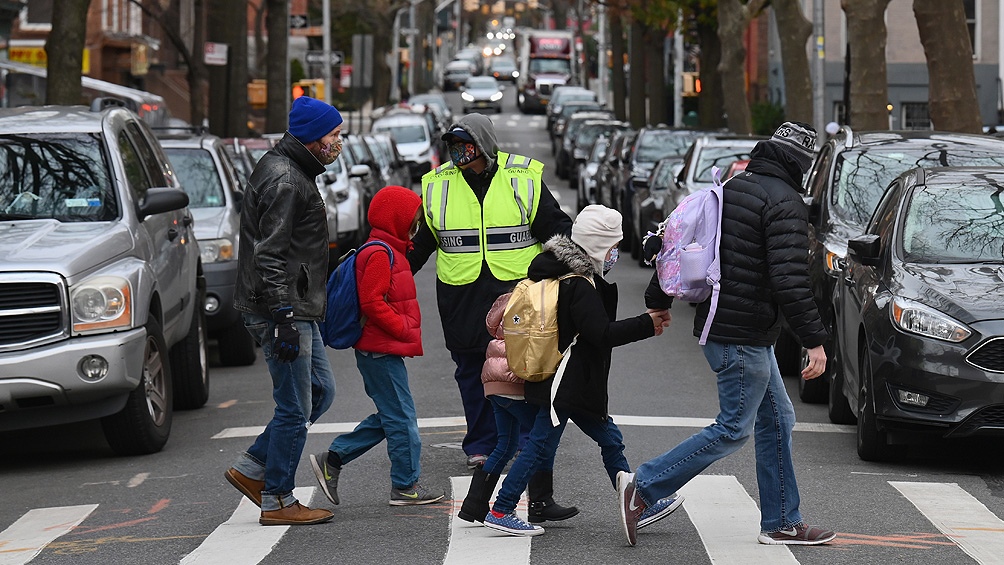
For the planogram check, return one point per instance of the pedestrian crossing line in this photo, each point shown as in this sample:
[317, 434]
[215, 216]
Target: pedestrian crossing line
[474, 543]
[460, 422]
[241, 539]
[728, 522]
[29, 535]
[960, 516]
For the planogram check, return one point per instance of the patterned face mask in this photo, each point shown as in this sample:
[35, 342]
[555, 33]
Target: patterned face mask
[462, 153]
[609, 263]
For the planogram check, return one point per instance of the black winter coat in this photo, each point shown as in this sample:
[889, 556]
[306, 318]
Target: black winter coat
[764, 251]
[590, 313]
[283, 255]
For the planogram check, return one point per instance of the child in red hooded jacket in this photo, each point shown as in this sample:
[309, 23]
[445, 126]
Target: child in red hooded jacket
[392, 330]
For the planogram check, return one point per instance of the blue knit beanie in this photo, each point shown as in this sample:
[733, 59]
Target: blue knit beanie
[311, 119]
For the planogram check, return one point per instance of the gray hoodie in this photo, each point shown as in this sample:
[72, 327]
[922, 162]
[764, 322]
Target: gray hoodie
[483, 132]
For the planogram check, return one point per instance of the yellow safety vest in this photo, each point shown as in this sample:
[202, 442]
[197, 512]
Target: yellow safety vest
[497, 231]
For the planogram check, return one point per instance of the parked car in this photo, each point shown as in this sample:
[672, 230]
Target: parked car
[609, 172]
[394, 169]
[455, 74]
[566, 93]
[482, 93]
[342, 187]
[561, 119]
[650, 201]
[589, 172]
[844, 185]
[598, 121]
[585, 137]
[920, 324]
[436, 101]
[414, 139]
[215, 195]
[101, 286]
[737, 166]
[503, 69]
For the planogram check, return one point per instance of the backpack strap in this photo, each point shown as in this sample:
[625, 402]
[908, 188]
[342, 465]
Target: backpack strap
[383, 244]
[715, 272]
[564, 355]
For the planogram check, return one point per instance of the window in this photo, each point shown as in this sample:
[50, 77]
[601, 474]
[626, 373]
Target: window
[199, 177]
[916, 116]
[150, 162]
[972, 25]
[37, 15]
[139, 183]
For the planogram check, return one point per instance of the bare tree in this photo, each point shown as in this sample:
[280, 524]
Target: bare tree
[617, 79]
[65, 50]
[734, 16]
[952, 84]
[277, 109]
[636, 56]
[794, 30]
[866, 43]
[228, 100]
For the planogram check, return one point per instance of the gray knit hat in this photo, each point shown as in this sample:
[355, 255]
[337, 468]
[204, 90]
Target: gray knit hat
[798, 140]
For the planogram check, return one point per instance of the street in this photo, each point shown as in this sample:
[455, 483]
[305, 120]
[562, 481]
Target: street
[68, 500]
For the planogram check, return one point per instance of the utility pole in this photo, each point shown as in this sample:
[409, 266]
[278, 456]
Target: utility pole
[326, 49]
[601, 53]
[678, 71]
[819, 69]
[412, 50]
[395, 53]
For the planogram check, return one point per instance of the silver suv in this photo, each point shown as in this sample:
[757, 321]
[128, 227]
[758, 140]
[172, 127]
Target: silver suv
[101, 287]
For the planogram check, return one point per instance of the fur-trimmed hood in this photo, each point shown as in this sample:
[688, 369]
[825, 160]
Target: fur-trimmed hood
[561, 256]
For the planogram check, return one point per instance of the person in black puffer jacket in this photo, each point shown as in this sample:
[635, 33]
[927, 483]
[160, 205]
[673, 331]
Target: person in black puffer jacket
[764, 261]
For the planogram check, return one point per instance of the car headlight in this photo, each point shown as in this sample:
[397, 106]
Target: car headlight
[917, 318]
[515, 74]
[216, 250]
[467, 96]
[496, 97]
[101, 303]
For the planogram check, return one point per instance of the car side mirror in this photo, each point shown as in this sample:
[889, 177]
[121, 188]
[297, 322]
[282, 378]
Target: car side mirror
[359, 171]
[162, 199]
[864, 249]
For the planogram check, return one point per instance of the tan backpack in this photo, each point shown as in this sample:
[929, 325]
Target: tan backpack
[530, 323]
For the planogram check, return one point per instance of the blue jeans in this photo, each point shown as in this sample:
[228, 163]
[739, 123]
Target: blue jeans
[538, 451]
[481, 434]
[511, 417]
[302, 390]
[386, 381]
[752, 401]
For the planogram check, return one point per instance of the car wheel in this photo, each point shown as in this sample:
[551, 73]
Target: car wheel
[144, 424]
[838, 409]
[816, 390]
[872, 443]
[237, 347]
[190, 359]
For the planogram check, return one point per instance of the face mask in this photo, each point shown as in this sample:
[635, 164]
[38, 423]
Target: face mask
[463, 153]
[609, 263]
[414, 231]
[330, 152]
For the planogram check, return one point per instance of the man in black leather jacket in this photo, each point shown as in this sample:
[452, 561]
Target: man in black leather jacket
[764, 260]
[281, 279]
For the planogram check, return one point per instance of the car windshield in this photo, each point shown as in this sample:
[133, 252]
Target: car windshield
[559, 66]
[861, 177]
[569, 109]
[720, 157]
[503, 65]
[954, 224]
[482, 83]
[577, 96]
[55, 176]
[405, 134]
[198, 175]
[661, 176]
[586, 134]
[655, 145]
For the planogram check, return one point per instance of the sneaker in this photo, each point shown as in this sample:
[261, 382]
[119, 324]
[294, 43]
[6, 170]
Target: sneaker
[799, 534]
[326, 475]
[511, 524]
[631, 505]
[664, 507]
[475, 461]
[413, 495]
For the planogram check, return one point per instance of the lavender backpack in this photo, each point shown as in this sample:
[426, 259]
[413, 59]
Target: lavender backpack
[688, 264]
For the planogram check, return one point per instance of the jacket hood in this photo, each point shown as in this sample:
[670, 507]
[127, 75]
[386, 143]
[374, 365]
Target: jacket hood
[561, 256]
[766, 159]
[392, 210]
[481, 129]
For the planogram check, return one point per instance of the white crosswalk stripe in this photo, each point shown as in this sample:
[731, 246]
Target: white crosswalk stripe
[29, 535]
[965, 520]
[474, 543]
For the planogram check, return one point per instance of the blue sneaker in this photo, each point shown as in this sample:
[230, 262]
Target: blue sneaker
[512, 524]
[664, 507]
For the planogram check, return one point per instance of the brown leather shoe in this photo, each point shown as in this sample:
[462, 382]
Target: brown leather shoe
[294, 515]
[248, 487]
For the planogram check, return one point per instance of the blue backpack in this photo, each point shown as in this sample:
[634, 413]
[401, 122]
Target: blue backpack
[342, 325]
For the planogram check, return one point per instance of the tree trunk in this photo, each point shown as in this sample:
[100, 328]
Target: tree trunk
[655, 38]
[228, 114]
[617, 81]
[952, 81]
[636, 104]
[277, 22]
[866, 43]
[559, 9]
[260, 47]
[733, 18]
[794, 30]
[712, 98]
[65, 51]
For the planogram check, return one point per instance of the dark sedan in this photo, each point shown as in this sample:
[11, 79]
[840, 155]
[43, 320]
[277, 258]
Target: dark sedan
[919, 316]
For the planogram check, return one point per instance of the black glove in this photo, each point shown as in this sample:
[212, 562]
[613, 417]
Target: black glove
[286, 342]
[652, 247]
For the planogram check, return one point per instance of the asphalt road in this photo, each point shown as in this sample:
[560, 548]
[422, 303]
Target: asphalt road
[158, 509]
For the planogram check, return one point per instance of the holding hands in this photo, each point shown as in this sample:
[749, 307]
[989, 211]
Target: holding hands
[660, 319]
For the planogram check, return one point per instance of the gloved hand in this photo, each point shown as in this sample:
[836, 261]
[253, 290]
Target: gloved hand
[652, 247]
[286, 341]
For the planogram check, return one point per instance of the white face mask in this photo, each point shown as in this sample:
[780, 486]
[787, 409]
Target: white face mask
[609, 263]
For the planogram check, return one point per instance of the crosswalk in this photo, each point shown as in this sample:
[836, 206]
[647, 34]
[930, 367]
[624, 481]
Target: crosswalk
[719, 507]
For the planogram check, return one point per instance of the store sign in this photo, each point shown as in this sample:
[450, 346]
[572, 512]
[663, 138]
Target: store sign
[32, 55]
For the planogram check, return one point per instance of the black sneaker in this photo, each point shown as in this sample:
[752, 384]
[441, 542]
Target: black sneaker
[326, 475]
[799, 534]
[413, 495]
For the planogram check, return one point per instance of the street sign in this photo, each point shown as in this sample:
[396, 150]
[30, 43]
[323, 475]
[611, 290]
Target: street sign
[317, 58]
[297, 21]
[215, 54]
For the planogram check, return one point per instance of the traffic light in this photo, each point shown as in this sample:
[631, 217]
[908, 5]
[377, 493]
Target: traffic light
[312, 87]
[691, 83]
